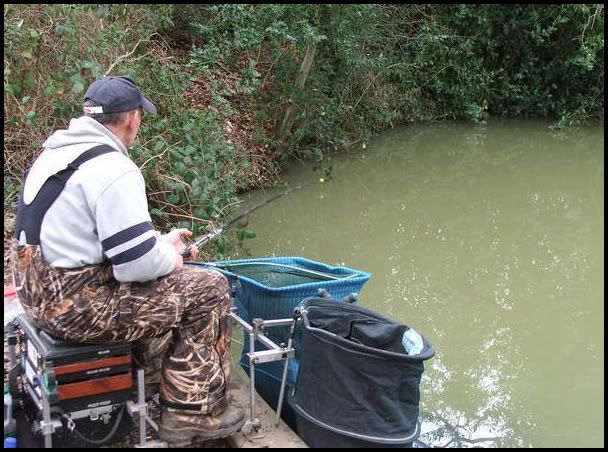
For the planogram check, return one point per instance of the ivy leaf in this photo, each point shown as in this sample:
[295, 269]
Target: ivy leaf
[49, 91]
[159, 145]
[78, 87]
[31, 118]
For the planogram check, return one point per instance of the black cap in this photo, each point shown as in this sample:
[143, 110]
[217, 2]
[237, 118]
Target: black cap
[116, 95]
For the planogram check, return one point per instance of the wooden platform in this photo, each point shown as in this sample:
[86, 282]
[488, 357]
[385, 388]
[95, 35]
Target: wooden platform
[268, 436]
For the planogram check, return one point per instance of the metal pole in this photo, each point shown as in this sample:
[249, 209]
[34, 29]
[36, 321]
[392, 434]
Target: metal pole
[283, 384]
[141, 398]
[284, 379]
[252, 376]
[46, 417]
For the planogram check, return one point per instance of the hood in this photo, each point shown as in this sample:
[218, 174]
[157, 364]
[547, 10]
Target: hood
[84, 130]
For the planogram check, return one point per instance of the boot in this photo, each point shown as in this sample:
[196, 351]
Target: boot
[181, 427]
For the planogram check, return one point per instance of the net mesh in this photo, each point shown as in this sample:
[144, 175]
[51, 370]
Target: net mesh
[278, 275]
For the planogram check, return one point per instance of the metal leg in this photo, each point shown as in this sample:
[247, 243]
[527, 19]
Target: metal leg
[46, 424]
[274, 353]
[143, 407]
[253, 424]
[252, 378]
[292, 330]
[283, 384]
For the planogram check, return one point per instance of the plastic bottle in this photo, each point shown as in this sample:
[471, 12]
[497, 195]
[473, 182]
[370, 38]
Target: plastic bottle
[10, 426]
[412, 342]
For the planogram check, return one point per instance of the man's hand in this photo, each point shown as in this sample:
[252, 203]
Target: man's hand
[175, 238]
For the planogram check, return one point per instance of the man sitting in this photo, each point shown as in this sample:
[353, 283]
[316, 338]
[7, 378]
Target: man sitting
[89, 266]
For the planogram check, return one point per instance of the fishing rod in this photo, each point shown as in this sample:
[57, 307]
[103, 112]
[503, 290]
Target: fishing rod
[218, 230]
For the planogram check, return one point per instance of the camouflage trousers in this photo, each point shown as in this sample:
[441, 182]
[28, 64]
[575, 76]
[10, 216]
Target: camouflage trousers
[180, 320]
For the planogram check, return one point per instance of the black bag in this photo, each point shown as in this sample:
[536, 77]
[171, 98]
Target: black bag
[357, 386]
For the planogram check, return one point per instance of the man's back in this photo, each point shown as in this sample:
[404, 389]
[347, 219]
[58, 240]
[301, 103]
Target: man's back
[103, 198]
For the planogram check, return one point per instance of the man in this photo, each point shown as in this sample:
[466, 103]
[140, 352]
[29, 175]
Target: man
[89, 266]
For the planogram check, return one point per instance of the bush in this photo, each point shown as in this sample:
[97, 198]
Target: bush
[190, 169]
[224, 97]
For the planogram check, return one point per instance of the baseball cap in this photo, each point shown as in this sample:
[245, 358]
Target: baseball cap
[116, 95]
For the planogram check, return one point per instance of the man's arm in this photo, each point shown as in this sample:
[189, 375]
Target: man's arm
[136, 250]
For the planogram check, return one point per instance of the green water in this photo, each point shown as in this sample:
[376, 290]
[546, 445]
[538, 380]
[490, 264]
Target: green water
[489, 241]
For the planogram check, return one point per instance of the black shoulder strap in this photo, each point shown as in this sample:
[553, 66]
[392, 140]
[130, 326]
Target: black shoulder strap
[30, 216]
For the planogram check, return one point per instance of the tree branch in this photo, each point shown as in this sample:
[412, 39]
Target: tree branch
[126, 55]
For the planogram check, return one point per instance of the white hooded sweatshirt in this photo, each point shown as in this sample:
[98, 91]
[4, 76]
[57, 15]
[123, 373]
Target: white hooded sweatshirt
[102, 213]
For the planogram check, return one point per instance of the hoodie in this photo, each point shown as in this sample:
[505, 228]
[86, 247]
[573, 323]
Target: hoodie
[102, 213]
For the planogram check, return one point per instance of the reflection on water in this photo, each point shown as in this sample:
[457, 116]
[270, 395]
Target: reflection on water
[487, 240]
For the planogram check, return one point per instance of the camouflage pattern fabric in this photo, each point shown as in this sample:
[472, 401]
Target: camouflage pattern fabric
[181, 318]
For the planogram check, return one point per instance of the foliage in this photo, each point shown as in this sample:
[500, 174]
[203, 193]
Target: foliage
[190, 169]
[538, 60]
[52, 52]
[379, 65]
[210, 66]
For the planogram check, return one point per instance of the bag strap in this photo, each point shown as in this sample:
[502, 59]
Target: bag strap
[30, 216]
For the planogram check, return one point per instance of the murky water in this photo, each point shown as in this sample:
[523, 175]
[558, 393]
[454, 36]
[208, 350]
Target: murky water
[489, 241]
